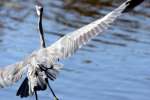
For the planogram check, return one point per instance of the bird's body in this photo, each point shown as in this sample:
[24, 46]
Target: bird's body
[44, 64]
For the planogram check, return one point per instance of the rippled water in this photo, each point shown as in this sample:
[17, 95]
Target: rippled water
[113, 66]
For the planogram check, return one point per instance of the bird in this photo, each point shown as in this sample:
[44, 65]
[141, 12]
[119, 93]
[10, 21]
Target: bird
[44, 64]
[43, 79]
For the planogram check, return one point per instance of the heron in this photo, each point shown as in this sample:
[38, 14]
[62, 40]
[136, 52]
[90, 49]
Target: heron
[45, 82]
[44, 64]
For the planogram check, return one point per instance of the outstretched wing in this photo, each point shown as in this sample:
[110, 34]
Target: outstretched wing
[67, 45]
[11, 74]
[64, 47]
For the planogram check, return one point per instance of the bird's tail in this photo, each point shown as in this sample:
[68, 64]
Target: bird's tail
[23, 90]
[132, 4]
[41, 83]
[28, 88]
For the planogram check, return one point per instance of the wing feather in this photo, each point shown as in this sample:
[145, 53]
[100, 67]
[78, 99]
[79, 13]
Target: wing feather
[67, 45]
[64, 47]
[11, 74]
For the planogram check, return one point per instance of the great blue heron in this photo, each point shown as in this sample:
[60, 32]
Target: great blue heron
[43, 64]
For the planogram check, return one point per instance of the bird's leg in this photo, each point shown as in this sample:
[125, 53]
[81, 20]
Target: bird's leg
[55, 97]
[36, 96]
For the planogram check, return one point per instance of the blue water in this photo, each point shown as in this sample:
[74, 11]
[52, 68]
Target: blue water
[113, 66]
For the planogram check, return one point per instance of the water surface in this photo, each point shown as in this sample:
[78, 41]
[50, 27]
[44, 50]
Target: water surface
[113, 66]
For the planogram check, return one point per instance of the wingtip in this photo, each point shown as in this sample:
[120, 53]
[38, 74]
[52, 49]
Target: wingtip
[23, 90]
[131, 4]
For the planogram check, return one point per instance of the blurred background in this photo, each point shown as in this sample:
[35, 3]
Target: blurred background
[113, 66]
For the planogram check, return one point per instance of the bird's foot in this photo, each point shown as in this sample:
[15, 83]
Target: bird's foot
[55, 98]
